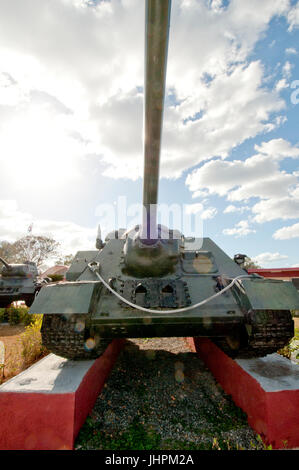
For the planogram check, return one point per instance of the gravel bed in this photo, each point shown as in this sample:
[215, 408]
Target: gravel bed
[160, 385]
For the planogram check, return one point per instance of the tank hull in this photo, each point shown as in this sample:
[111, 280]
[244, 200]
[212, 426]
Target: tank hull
[254, 313]
[145, 286]
[14, 289]
[18, 282]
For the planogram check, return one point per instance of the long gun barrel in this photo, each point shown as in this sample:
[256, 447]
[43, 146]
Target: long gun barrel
[157, 19]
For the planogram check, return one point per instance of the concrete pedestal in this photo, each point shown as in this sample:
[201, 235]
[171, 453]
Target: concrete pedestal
[267, 389]
[44, 407]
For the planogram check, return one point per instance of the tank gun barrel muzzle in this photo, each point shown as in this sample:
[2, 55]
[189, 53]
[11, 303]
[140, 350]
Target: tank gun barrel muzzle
[157, 19]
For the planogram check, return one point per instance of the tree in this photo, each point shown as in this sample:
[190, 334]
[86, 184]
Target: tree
[7, 251]
[29, 248]
[66, 260]
[249, 264]
[56, 277]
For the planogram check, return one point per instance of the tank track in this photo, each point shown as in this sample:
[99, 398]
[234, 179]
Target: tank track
[68, 336]
[269, 331]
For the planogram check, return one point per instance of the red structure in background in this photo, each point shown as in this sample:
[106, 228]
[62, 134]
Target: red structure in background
[278, 273]
[59, 270]
[285, 274]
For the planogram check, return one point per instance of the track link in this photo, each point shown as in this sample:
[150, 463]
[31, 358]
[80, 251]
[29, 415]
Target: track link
[268, 331]
[68, 336]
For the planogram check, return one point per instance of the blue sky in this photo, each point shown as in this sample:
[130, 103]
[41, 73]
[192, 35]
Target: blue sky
[71, 106]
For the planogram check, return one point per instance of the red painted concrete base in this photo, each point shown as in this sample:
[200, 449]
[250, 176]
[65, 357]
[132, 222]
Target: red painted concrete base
[267, 389]
[49, 417]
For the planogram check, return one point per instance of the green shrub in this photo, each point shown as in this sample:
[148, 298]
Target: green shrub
[13, 315]
[56, 277]
[291, 347]
[3, 315]
[31, 340]
[16, 315]
[25, 317]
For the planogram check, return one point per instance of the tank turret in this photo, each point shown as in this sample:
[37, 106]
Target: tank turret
[150, 281]
[18, 282]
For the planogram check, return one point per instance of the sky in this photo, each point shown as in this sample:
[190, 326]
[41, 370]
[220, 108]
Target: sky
[71, 120]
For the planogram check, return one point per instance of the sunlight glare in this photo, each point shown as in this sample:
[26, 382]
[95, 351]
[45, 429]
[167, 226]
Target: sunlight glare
[37, 147]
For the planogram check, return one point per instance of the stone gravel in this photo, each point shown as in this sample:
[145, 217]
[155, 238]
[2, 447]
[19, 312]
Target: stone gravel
[166, 388]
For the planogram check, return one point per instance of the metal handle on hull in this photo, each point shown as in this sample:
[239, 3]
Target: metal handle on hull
[157, 18]
[94, 267]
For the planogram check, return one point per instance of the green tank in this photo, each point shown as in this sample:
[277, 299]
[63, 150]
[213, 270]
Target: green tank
[18, 282]
[139, 285]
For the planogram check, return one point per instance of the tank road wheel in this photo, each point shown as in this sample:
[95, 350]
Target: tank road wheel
[68, 336]
[244, 351]
[267, 331]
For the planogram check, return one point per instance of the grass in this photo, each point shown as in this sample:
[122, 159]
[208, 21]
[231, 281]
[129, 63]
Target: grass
[137, 437]
[22, 340]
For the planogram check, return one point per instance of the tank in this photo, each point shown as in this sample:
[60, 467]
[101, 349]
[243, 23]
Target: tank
[142, 282]
[18, 282]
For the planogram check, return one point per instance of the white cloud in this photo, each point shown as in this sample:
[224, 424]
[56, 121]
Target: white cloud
[13, 223]
[209, 213]
[81, 66]
[293, 17]
[275, 186]
[72, 237]
[231, 208]
[278, 149]
[41, 147]
[281, 84]
[290, 50]
[119, 123]
[285, 233]
[265, 259]
[220, 177]
[258, 176]
[198, 208]
[241, 229]
[277, 208]
[194, 208]
[286, 69]
[201, 194]
[233, 108]
[216, 5]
